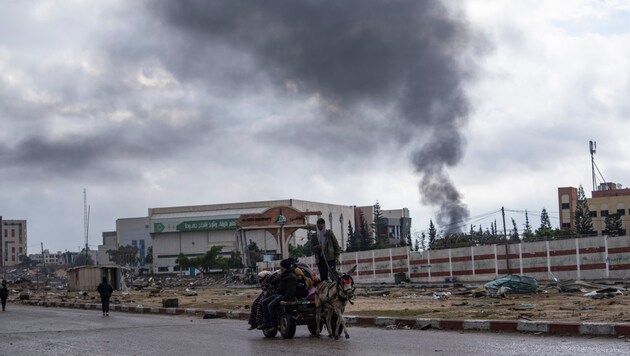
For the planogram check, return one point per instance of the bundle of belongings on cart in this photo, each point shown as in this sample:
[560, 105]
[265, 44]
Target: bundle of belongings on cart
[307, 279]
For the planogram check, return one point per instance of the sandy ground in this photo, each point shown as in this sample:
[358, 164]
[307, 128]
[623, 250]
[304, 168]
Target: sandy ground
[548, 305]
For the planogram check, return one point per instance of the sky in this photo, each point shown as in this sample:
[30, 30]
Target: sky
[452, 110]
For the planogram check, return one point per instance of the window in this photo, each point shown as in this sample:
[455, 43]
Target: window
[162, 269]
[12, 233]
[567, 225]
[593, 214]
[621, 212]
[565, 205]
[604, 212]
[6, 233]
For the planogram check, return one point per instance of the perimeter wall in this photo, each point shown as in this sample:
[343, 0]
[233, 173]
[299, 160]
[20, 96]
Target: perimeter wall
[587, 258]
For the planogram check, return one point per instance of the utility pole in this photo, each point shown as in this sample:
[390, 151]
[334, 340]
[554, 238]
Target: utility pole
[507, 253]
[593, 148]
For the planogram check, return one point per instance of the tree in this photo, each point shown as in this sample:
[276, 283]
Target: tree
[353, 240]
[365, 238]
[235, 260]
[210, 260]
[83, 259]
[299, 250]
[416, 246]
[255, 255]
[583, 221]
[545, 225]
[528, 235]
[514, 233]
[423, 241]
[182, 261]
[614, 225]
[379, 226]
[432, 234]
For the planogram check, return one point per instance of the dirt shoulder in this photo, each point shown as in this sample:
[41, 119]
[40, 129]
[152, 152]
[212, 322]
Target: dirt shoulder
[390, 301]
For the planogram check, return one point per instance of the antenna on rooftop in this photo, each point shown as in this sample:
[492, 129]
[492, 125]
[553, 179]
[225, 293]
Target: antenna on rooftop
[86, 221]
[593, 147]
[594, 168]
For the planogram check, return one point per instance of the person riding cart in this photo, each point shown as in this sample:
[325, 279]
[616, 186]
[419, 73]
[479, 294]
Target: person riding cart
[285, 292]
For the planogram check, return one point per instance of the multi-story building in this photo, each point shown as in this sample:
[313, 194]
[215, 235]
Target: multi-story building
[610, 198]
[12, 241]
[47, 258]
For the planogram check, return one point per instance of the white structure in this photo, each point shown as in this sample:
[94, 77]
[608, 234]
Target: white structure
[109, 243]
[47, 258]
[193, 230]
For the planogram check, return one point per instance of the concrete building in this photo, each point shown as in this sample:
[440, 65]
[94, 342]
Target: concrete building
[135, 232]
[110, 242]
[13, 241]
[398, 222]
[610, 198]
[193, 230]
[47, 258]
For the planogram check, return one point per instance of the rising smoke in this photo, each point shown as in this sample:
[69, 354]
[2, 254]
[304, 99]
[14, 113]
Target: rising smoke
[412, 56]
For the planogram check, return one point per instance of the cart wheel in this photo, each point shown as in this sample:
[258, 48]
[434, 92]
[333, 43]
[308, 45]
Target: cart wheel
[270, 334]
[287, 326]
[312, 327]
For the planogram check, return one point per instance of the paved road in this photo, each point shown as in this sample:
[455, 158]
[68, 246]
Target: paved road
[29, 330]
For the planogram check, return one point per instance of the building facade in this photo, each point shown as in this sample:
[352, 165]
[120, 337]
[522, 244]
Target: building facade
[609, 199]
[13, 242]
[398, 222]
[193, 230]
[110, 242]
[135, 232]
[48, 258]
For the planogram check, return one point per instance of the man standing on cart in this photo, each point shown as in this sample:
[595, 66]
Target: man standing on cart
[326, 250]
[286, 291]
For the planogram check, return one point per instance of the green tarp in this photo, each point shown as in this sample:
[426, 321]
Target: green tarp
[514, 283]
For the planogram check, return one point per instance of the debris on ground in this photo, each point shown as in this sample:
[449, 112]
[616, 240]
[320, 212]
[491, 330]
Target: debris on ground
[511, 284]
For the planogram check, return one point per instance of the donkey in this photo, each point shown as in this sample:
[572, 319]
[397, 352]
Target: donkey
[333, 297]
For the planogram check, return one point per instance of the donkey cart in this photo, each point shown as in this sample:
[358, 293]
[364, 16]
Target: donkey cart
[292, 314]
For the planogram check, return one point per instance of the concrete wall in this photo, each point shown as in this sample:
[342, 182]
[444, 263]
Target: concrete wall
[590, 258]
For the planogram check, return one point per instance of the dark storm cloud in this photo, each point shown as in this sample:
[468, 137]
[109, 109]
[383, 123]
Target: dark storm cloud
[106, 154]
[412, 56]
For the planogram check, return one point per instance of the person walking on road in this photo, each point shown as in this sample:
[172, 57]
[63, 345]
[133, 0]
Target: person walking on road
[4, 294]
[105, 290]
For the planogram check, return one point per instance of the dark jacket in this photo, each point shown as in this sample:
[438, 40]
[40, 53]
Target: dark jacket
[287, 285]
[4, 292]
[105, 290]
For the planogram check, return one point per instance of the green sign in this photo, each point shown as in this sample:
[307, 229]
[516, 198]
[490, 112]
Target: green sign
[195, 225]
[206, 225]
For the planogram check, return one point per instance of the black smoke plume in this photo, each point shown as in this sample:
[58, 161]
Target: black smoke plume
[413, 57]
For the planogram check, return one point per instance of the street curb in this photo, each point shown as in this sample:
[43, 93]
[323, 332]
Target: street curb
[523, 326]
